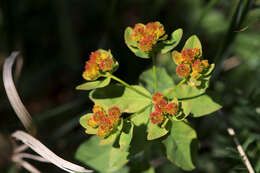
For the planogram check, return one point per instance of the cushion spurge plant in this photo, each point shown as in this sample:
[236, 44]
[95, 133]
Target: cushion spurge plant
[157, 108]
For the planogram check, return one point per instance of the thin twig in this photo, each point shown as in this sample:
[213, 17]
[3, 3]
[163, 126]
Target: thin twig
[13, 96]
[232, 133]
[25, 164]
[46, 153]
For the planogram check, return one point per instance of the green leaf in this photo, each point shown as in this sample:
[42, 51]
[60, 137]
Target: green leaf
[192, 42]
[203, 105]
[197, 100]
[84, 123]
[164, 80]
[185, 91]
[133, 45]
[155, 131]
[126, 136]
[124, 98]
[181, 145]
[95, 84]
[128, 41]
[142, 118]
[101, 158]
[168, 45]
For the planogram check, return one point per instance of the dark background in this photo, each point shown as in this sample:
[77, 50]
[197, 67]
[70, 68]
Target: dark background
[56, 37]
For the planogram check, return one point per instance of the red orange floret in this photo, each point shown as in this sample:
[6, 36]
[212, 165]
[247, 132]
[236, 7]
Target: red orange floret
[106, 64]
[105, 122]
[172, 108]
[114, 114]
[100, 61]
[197, 66]
[156, 117]
[92, 122]
[157, 97]
[138, 32]
[161, 106]
[147, 35]
[183, 70]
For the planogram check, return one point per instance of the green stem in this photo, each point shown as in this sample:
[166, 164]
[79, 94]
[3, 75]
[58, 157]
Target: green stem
[173, 89]
[129, 86]
[154, 73]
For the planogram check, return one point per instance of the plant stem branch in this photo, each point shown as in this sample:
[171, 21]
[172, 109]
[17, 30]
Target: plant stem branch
[173, 89]
[232, 133]
[154, 73]
[129, 86]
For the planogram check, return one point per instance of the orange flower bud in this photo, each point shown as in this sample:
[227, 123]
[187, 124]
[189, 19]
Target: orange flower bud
[146, 44]
[183, 70]
[92, 122]
[138, 32]
[157, 97]
[114, 114]
[156, 117]
[91, 71]
[177, 57]
[172, 108]
[96, 108]
[195, 75]
[197, 66]
[161, 106]
[205, 63]
[106, 64]
[102, 132]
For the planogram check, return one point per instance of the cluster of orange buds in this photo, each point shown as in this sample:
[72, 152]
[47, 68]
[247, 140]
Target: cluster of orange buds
[162, 108]
[105, 122]
[147, 35]
[189, 63]
[99, 62]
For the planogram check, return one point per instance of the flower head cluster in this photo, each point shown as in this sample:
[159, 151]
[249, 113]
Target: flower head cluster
[147, 35]
[105, 122]
[189, 63]
[162, 108]
[99, 62]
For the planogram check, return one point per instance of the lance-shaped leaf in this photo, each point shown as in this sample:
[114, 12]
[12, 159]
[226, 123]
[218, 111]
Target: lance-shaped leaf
[164, 80]
[133, 45]
[126, 99]
[181, 145]
[126, 136]
[192, 42]
[94, 84]
[101, 158]
[167, 45]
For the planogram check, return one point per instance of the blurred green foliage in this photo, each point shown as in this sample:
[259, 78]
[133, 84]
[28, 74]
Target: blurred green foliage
[56, 38]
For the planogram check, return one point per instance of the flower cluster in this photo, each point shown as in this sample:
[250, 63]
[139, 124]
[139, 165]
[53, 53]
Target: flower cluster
[147, 35]
[105, 122]
[100, 61]
[163, 108]
[189, 63]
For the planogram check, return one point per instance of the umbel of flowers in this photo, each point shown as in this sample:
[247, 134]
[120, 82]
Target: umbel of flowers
[100, 62]
[105, 122]
[162, 108]
[191, 66]
[148, 35]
